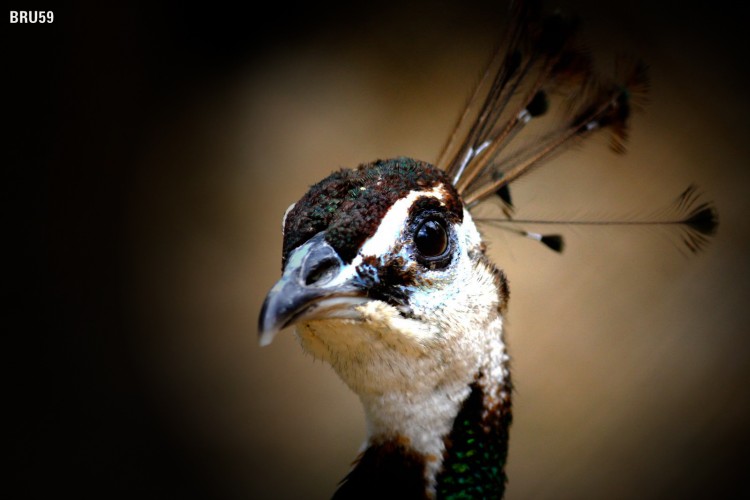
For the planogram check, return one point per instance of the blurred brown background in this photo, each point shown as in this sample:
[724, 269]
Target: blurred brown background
[155, 149]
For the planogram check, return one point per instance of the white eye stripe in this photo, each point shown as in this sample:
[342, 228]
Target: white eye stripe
[394, 222]
[283, 219]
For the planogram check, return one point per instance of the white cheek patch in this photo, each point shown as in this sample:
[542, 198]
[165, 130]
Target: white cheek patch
[471, 235]
[451, 284]
[393, 223]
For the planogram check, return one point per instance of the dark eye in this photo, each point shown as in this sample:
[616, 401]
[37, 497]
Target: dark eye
[431, 238]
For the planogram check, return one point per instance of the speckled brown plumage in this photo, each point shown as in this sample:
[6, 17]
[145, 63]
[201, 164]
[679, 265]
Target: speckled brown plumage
[350, 204]
[386, 470]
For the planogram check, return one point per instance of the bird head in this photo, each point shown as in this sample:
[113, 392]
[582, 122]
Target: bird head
[382, 268]
[385, 274]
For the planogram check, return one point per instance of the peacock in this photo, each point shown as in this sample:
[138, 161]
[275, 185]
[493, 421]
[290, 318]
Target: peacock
[386, 275]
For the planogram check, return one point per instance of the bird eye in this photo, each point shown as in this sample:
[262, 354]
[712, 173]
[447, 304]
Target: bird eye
[431, 238]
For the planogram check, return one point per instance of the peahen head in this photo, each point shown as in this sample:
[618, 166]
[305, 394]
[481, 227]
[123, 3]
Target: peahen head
[385, 278]
[385, 275]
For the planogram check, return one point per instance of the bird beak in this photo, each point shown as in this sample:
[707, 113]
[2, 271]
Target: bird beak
[316, 284]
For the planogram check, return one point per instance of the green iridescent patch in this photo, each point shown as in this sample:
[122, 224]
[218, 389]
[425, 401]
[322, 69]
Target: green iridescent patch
[476, 451]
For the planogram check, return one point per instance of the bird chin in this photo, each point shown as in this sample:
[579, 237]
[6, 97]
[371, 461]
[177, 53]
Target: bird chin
[323, 336]
[341, 307]
[336, 308]
[368, 329]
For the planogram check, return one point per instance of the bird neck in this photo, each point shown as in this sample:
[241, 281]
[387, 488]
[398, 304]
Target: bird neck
[443, 432]
[470, 465]
[477, 448]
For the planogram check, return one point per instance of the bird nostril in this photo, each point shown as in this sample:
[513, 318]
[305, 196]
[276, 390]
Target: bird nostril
[321, 272]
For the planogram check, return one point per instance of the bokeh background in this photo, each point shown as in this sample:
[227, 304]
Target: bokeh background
[154, 149]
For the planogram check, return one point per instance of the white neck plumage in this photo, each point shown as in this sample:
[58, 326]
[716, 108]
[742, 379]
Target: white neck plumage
[410, 395]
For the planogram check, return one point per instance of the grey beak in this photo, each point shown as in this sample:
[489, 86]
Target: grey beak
[314, 273]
